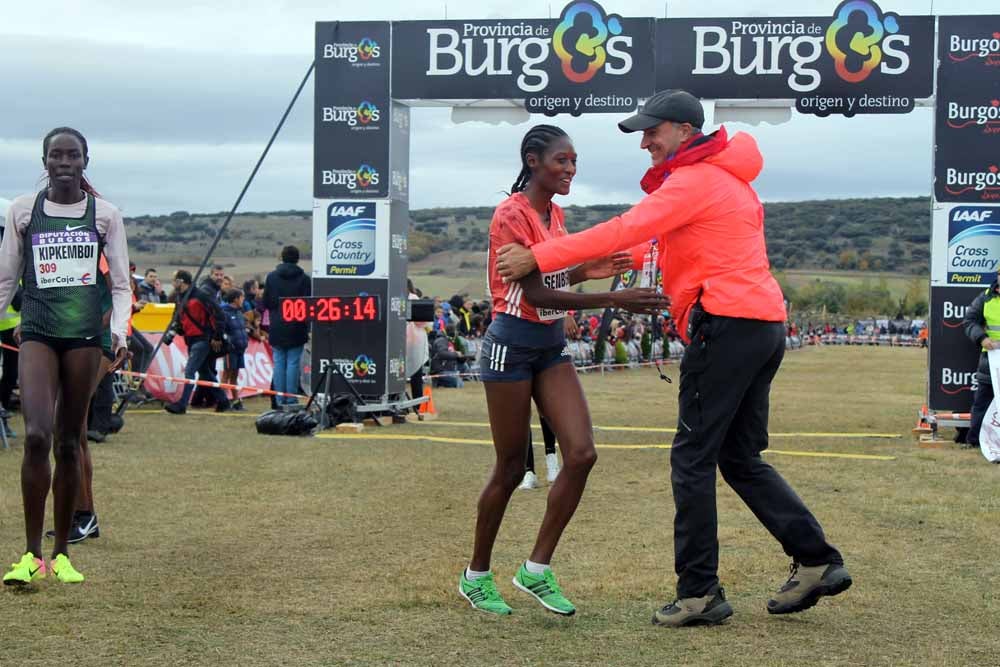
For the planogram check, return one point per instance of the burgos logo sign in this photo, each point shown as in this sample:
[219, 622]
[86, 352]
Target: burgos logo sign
[961, 48]
[984, 183]
[856, 39]
[954, 382]
[350, 239]
[586, 41]
[355, 180]
[580, 37]
[982, 117]
[362, 367]
[364, 116]
[363, 54]
[860, 40]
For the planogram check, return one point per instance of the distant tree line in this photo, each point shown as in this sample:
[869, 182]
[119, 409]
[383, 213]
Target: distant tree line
[878, 234]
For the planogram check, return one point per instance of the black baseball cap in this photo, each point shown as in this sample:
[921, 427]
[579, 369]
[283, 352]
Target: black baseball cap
[678, 106]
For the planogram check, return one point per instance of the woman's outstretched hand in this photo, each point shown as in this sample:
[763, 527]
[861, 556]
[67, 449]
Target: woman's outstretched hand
[607, 267]
[641, 300]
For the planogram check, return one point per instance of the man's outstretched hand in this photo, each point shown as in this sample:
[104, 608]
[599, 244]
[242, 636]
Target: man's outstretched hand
[607, 267]
[514, 261]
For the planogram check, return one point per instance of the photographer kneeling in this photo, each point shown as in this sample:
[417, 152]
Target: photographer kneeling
[445, 359]
[201, 323]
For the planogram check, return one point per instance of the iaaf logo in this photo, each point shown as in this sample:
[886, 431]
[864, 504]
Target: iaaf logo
[962, 48]
[361, 178]
[986, 116]
[586, 40]
[347, 211]
[987, 182]
[861, 39]
[365, 113]
[365, 50]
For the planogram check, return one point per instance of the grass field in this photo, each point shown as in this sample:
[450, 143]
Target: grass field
[897, 283]
[221, 547]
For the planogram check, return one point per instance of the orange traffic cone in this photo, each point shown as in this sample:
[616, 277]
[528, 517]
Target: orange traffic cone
[427, 409]
[923, 427]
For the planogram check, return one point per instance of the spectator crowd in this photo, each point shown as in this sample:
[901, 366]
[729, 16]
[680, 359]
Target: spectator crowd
[221, 317]
[454, 338]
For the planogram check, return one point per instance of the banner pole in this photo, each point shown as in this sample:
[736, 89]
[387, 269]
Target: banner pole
[179, 308]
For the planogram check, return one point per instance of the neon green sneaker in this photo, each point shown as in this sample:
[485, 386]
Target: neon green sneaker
[483, 595]
[64, 570]
[544, 588]
[25, 571]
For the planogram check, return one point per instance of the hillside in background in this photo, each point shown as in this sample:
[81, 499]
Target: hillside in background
[848, 234]
[887, 234]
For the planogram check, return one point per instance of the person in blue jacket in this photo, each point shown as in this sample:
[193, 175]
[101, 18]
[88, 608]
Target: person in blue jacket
[236, 333]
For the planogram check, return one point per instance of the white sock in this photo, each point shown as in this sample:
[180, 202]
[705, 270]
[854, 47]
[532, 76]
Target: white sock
[535, 568]
[472, 575]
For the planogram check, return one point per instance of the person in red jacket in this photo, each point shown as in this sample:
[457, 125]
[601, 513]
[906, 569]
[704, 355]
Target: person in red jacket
[709, 226]
[201, 324]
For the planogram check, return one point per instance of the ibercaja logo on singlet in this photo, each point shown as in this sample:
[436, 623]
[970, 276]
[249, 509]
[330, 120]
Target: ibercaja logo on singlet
[65, 258]
[350, 239]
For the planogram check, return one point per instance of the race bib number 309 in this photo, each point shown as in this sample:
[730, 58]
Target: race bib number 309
[65, 258]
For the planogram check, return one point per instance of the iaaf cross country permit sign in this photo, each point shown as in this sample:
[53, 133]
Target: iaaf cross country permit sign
[350, 239]
[859, 60]
[972, 255]
[587, 60]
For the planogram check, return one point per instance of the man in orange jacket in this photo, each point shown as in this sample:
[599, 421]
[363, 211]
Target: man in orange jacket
[709, 226]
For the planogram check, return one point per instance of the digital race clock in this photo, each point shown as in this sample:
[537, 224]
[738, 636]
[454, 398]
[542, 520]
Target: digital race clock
[329, 309]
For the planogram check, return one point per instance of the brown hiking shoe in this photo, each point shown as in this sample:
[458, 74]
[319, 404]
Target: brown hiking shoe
[709, 610]
[807, 585]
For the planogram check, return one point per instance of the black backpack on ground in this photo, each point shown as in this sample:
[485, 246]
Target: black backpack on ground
[278, 422]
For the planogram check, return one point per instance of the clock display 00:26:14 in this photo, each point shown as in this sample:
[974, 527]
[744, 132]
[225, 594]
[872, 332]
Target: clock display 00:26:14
[330, 309]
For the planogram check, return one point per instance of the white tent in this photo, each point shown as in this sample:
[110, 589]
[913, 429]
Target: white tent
[4, 205]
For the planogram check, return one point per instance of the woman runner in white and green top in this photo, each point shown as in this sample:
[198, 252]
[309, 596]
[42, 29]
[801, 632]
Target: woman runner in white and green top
[52, 243]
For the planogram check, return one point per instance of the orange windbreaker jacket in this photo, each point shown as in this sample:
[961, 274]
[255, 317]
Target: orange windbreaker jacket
[709, 225]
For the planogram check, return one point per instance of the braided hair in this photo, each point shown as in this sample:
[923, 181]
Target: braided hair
[84, 183]
[537, 141]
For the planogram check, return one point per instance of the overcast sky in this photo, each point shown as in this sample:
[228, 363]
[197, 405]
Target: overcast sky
[178, 99]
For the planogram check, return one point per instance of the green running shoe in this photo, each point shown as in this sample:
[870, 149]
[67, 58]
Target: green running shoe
[64, 570]
[25, 571]
[483, 595]
[543, 587]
